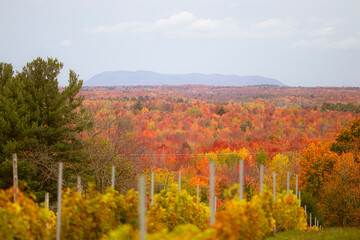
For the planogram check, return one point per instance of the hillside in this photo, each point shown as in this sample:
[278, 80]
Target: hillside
[129, 78]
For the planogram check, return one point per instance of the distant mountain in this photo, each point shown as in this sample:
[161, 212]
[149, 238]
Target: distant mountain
[128, 78]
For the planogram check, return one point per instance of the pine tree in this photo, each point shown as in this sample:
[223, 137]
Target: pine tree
[221, 111]
[15, 124]
[37, 118]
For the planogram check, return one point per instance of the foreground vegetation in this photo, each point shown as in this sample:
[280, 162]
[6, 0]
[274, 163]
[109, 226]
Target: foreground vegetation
[325, 234]
[174, 214]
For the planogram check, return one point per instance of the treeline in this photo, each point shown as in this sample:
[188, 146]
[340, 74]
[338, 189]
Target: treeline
[340, 107]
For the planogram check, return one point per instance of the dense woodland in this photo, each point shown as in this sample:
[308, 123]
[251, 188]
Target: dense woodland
[311, 132]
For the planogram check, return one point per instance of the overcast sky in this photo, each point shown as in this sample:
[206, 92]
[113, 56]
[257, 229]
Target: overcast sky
[301, 43]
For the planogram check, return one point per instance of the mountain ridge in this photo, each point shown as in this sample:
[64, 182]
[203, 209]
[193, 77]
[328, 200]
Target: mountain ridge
[142, 77]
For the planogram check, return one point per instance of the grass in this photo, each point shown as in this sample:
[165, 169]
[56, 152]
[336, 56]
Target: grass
[329, 233]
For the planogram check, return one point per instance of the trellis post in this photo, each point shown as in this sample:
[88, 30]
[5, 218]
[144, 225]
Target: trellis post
[152, 188]
[142, 208]
[261, 178]
[288, 183]
[15, 177]
[241, 182]
[79, 188]
[58, 223]
[212, 193]
[113, 176]
[197, 193]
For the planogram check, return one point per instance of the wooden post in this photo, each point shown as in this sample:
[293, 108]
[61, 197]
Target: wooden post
[79, 188]
[142, 208]
[152, 188]
[197, 193]
[261, 178]
[15, 177]
[47, 205]
[47, 200]
[288, 183]
[274, 193]
[296, 187]
[241, 183]
[310, 221]
[212, 193]
[113, 176]
[58, 223]
[179, 181]
[315, 222]
[215, 205]
[274, 185]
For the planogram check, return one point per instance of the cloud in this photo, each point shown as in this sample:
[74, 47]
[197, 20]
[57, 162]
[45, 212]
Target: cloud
[186, 24]
[314, 43]
[183, 24]
[351, 43]
[66, 43]
[112, 29]
[325, 31]
[274, 27]
[178, 20]
[269, 23]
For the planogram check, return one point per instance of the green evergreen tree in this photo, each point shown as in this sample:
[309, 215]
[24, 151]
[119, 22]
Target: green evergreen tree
[221, 111]
[38, 118]
[138, 106]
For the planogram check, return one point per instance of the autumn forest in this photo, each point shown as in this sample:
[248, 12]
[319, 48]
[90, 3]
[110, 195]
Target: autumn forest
[173, 131]
[179, 128]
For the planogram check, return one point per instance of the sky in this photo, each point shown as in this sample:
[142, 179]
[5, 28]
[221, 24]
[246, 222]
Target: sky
[299, 42]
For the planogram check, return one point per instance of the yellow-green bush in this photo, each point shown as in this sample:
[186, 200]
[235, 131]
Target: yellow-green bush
[288, 213]
[173, 208]
[245, 220]
[23, 219]
[184, 232]
[180, 232]
[175, 215]
[123, 232]
[93, 215]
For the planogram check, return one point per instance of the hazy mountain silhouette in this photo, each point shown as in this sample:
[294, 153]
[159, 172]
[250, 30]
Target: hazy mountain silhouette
[128, 78]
